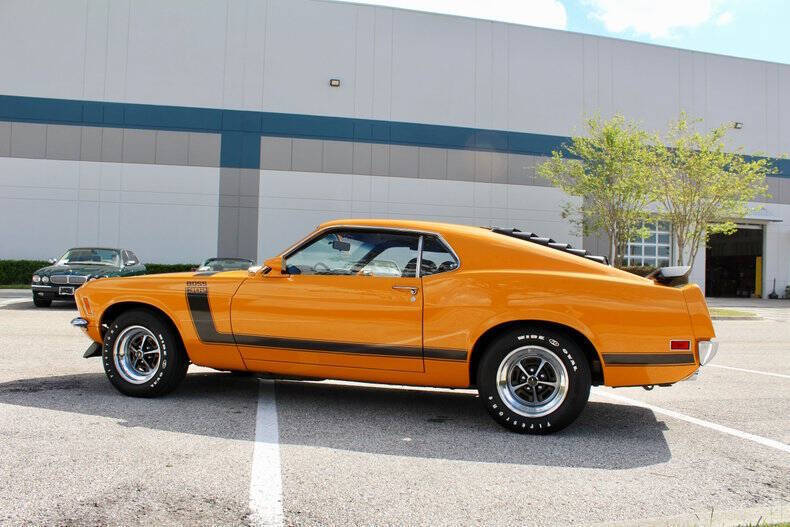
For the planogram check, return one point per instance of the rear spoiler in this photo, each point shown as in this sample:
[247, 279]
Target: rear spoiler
[671, 276]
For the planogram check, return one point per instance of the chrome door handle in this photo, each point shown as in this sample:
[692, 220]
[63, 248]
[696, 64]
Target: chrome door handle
[410, 288]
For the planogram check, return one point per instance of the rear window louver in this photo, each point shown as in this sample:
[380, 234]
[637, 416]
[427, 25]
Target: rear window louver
[548, 242]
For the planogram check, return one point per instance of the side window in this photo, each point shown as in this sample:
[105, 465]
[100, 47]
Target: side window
[129, 256]
[436, 257]
[357, 252]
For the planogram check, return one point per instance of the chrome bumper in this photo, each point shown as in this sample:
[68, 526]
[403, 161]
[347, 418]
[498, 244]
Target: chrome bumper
[707, 350]
[79, 322]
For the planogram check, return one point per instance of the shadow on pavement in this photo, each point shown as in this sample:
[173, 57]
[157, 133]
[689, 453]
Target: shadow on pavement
[208, 404]
[455, 426]
[28, 306]
[373, 419]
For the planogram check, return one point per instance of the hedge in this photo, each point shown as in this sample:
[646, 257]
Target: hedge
[20, 271]
[153, 268]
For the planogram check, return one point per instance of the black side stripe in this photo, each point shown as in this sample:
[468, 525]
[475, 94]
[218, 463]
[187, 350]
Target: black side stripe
[328, 346]
[641, 359]
[444, 354]
[207, 332]
[204, 322]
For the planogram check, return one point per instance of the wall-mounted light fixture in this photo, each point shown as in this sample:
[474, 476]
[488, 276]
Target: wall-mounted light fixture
[335, 83]
[737, 125]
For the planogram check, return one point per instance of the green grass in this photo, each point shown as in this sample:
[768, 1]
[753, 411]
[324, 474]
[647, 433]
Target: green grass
[14, 286]
[730, 313]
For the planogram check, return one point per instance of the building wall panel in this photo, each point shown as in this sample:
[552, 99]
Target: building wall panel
[297, 76]
[292, 204]
[433, 80]
[544, 76]
[67, 203]
[175, 52]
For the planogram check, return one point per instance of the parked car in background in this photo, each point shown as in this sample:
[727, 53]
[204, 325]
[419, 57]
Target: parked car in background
[225, 264]
[78, 265]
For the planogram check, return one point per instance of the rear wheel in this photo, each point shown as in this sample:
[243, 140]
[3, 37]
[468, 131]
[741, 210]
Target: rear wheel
[534, 381]
[41, 302]
[142, 356]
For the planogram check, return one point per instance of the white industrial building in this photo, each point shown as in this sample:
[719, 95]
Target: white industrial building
[184, 129]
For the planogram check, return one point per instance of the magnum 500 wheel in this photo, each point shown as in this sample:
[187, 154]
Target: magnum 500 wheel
[534, 381]
[141, 355]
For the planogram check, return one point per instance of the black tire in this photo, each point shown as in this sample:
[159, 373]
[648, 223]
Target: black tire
[41, 302]
[168, 371]
[556, 347]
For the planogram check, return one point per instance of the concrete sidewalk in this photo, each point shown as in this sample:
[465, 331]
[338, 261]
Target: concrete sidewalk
[14, 293]
[762, 303]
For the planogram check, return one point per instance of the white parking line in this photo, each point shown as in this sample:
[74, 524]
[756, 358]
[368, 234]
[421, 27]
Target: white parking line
[266, 488]
[701, 422]
[783, 376]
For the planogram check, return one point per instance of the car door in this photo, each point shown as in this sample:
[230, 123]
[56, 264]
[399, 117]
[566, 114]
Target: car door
[347, 297]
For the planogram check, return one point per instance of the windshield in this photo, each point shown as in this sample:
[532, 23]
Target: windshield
[90, 256]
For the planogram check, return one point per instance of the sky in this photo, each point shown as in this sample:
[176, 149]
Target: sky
[755, 29]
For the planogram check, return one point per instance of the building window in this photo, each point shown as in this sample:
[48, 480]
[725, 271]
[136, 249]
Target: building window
[655, 250]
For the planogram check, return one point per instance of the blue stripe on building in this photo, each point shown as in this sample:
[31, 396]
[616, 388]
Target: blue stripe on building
[241, 129]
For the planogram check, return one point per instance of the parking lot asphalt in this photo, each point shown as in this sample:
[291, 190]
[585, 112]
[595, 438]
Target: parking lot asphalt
[75, 452]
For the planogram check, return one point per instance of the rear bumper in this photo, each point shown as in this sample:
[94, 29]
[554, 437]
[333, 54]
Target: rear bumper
[707, 349]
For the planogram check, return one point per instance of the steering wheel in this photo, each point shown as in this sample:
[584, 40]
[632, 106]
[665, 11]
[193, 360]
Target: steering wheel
[319, 271]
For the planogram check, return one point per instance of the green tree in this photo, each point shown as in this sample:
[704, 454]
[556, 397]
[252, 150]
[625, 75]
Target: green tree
[701, 188]
[611, 169]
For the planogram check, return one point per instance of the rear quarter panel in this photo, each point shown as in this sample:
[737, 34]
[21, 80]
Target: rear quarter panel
[616, 315]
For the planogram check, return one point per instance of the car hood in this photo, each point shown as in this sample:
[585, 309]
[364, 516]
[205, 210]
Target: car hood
[79, 269]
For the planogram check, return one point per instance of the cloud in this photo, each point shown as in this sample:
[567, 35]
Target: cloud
[658, 19]
[542, 13]
[724, 18]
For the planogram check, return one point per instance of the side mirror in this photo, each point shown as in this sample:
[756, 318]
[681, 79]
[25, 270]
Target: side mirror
[276, 264]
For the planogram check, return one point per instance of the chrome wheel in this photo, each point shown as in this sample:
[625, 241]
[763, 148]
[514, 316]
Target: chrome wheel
[532, 381]
[136, 354]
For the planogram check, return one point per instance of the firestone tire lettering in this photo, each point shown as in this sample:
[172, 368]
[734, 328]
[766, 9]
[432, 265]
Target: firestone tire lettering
[579, 381]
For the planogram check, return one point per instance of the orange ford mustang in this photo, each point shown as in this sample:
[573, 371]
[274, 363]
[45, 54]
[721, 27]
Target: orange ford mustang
[531, 323]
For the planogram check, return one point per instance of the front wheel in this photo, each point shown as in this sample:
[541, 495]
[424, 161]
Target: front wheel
[534, 381]
[142, 356]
